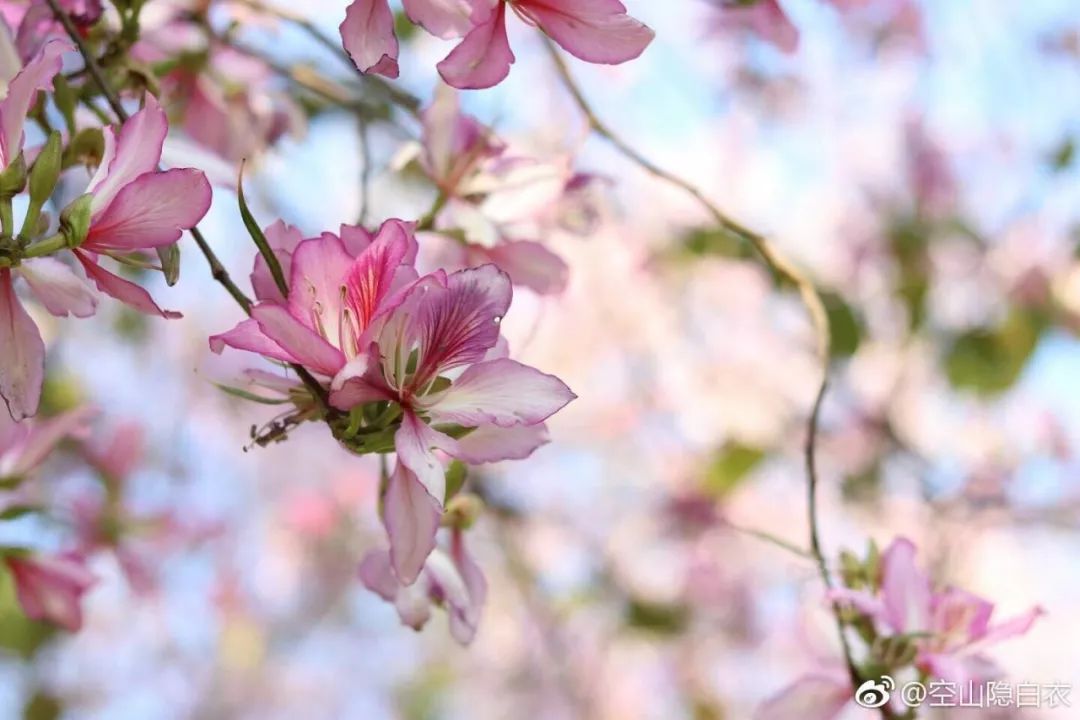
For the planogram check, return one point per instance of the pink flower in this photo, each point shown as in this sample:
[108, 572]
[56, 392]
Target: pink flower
[764, 18]
[450, 578]
[490, 197]
[50, 587]
[597, 31]
[135, 206]
[437, 355]
[821, 695]
[952, 626]
[25, 445]
[338, 287]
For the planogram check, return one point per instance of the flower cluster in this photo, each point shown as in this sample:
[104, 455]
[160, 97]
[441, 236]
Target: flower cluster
[908, 626]
[408, 364]
[596, 31]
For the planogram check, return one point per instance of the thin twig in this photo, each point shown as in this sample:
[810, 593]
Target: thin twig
[784, 270]
[217, 270]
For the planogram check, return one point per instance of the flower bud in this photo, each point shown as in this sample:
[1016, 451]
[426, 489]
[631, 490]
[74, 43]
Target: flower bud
[13, 177]
[463, 511]
[75, 220]
[46, 170]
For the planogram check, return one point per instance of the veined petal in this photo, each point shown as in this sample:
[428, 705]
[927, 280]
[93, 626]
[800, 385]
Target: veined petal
[415, 442]
[301, 342]
[491, 443]
[22, 92]
[464, 619]
[504, 393]
[815, 696]
[372, 276]
[355, 384]
[597, 31]
[412, 518]
[22, 354]
[367, 34]
[905, 589]
[442, 18]
[136, 151]
[59, 289]
[320, 267]
[247, 335]
[483, 58]
[152, 210]
[126, 292]
[283, 240]
[531, 265]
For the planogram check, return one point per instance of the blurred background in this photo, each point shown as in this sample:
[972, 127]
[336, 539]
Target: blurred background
[916, 158]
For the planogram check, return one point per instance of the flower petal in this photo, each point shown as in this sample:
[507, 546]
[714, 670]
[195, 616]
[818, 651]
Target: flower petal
[415, 442]
[905, 589]
[22, 354]
[367, 34]
[412, 518]
[377, 575]
[136, 151]
[492, 443]
[531, 265]
[504, 393]
[301, 342]
[22, 92]
[59, 289]
[319, 269]
[283, 240]
[442, 18]
[45, 436]
[151, 211]
[483, 58]
[815, 696]
[126, 292]
[597, 31]
[247, 335]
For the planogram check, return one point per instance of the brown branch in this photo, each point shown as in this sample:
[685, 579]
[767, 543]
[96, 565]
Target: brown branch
[779, 265]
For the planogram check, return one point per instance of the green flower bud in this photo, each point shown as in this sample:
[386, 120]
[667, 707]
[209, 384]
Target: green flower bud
[13, 177]
[463, 511]
[46, 170]
[75, 221]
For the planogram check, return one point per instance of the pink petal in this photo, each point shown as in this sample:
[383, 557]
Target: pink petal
[355, 384]
[10, 62]
[283, 240]
[1014, 627]
[767, 20]
[135, 152]
[457, 325]
[531, 265]
[367, 34]
[483, 58]
[412, 518]
[905, 589]
[247, 335]
[59, 289]
[464, 619]
[817, 696]
[502, 392]
[319, 268]
[492, 443]
[22, 354]
[22, 92]
[50, 588]
[301, 342]
[597, 31]
[45, 436]
[415, 442]
[122, 452]
[442, 18]
[151, 211]
[126, 292]
[377, 575]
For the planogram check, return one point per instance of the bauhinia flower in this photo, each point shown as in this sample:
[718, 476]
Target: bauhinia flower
[492, 201]
[942, 633]
[437, 356]
[50, 587]
[450, 578]
[597, 31]
[135, 206]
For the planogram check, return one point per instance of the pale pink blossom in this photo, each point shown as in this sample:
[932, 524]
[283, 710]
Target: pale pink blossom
[25, 445]
[597, 31]
[450, 578]
[135, 206]
[50, 587]
[764, 18]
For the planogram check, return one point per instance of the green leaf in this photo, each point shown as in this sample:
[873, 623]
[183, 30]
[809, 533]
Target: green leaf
[989, 361]
[18, 511]
[657, 618]
[456, 475]
[846, 327]
[245, 395]
[259, 238]
[1063, 155]
[730, 466]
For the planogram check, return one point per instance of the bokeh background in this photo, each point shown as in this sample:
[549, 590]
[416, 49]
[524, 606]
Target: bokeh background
[922, 172]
